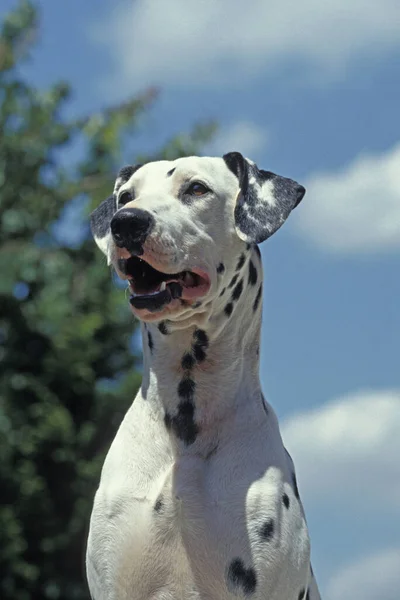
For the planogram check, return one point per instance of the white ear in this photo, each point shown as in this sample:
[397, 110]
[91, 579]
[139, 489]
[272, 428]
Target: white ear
[100, 220]
[265, 199]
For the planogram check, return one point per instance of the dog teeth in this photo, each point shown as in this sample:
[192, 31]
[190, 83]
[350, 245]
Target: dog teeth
[163, 286]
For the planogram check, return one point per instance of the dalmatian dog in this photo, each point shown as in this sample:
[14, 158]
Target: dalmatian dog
[198, 497]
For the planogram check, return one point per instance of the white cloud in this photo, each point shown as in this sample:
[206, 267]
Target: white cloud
[375, 577]
[347, 449]
[356, 209]
[243, 136]
[220, 42]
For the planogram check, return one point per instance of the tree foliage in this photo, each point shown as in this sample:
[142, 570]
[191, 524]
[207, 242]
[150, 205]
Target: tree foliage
[67, 374]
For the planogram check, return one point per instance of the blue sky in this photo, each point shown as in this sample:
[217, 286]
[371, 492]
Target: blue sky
[311, 91]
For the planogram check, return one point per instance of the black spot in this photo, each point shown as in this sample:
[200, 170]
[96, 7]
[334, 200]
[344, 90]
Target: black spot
[267, 530]
[248, 246]
[308, 595]
[222, 293]
[183, 424]
[126, 172]
[302, 594]
[186, 389]
[201, 336]
[150, 340]
[257, 250]
[199, 353]
[163, 328]
[221, 268]
[167, 420]
[295, 488]
[238, 290]
[285, 500]
[187, 361]
[228, 309]
[233, 281]
[252, 273]
[201, 344]
[171, 172]
[241, 262]
[241, 577]
[258, 298]
[159, 504]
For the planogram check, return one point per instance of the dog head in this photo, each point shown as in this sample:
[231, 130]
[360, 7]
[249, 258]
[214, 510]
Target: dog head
[174, 229]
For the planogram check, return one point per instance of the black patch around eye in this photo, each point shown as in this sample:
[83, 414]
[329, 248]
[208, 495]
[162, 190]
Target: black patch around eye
[196, 189]
[125, 197]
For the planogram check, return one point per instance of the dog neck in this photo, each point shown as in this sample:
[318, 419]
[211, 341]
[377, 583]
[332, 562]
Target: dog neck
[200, 378]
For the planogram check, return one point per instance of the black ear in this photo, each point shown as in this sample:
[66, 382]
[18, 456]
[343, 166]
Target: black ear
[100, 218]
[124, 175]
[265, 200]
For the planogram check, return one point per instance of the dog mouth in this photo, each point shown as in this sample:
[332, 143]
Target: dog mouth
[153, 290]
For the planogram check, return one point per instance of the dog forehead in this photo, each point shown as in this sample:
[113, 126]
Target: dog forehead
[212, 170]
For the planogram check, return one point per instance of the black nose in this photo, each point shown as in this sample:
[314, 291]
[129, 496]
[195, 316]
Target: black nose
[130, 227]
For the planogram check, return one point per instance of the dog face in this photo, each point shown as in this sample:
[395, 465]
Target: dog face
[170, 225]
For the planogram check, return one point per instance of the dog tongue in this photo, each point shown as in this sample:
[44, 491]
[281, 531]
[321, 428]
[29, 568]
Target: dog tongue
[155, 302]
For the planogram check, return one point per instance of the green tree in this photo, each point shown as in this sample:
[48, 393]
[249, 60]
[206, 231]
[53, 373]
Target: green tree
[67, 374]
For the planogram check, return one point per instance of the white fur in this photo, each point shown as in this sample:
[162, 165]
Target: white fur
[217, 492]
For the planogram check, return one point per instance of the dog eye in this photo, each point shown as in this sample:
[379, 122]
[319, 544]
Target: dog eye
[197, 189]
[124, 198]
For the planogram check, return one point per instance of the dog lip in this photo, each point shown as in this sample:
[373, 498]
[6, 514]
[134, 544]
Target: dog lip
[188, 292]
